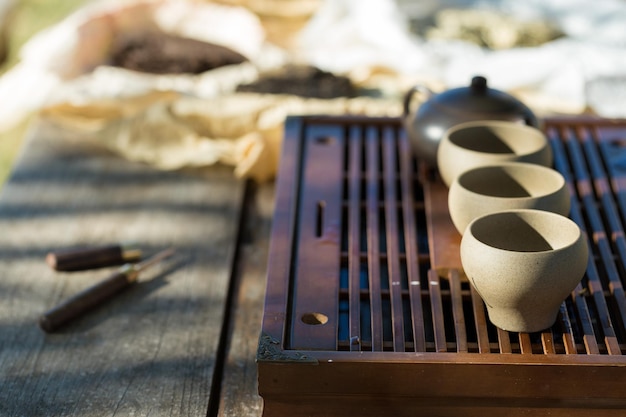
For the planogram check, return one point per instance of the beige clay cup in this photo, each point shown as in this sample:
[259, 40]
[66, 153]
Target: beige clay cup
[523, 263]
[487, 142]
[506, 186]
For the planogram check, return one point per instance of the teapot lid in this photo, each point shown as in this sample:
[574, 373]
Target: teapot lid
[479, 98]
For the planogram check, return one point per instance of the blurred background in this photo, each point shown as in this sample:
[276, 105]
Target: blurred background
[21, 20]
[562, 57]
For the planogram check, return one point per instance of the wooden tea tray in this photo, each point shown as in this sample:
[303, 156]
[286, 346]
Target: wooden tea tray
[368, 313]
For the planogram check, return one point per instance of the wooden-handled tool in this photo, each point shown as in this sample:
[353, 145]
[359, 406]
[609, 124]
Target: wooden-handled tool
[91, 297]
[93, 257]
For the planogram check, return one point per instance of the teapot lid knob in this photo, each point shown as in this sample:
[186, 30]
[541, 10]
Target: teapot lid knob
[478, 85]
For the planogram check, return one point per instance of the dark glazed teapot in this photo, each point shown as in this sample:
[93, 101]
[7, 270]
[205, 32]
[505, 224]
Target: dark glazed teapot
[439, 112]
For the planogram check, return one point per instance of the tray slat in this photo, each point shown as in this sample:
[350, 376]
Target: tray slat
[480, 322]
[373, 238]
[411, 231]
[393, 233]
[315, 318]
[504, 341]
[354, 236]
[457, 310]
[436, 309]
[567, 332]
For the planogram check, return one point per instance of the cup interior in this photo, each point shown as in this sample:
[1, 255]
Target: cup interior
[515, 180]
[525, 231]
[498, 138]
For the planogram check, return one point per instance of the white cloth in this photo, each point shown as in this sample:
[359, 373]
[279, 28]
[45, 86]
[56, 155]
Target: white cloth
[52, 59]
[348, 33]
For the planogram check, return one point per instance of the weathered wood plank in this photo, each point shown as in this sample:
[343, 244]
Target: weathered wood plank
[239, 389]
[151, 350]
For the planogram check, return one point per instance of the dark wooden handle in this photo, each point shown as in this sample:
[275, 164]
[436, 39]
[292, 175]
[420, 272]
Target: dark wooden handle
[84, 301]
[86, 258]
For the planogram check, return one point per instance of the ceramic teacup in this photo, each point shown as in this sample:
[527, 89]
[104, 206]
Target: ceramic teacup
[506, 186]
[485, 142]
[523, 263]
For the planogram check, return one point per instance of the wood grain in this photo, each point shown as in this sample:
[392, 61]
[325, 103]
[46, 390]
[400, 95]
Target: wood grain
[150, 351]
[239, 384]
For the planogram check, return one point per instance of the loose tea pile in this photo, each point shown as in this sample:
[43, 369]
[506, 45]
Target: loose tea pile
[302, 81]
[491, 29]
[162, 53]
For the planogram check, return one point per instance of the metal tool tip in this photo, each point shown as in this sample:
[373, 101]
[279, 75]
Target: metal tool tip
[155, 259]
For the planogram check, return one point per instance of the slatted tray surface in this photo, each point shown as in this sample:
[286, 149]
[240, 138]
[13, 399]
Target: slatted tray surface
[365, 282]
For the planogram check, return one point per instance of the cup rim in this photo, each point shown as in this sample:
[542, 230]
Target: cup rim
[458, 180]
[536, 132]
[565, 221]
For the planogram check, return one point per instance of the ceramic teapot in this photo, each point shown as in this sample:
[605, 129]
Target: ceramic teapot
[439, 112]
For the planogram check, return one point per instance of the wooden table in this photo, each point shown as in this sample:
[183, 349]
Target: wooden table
[182, 342]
